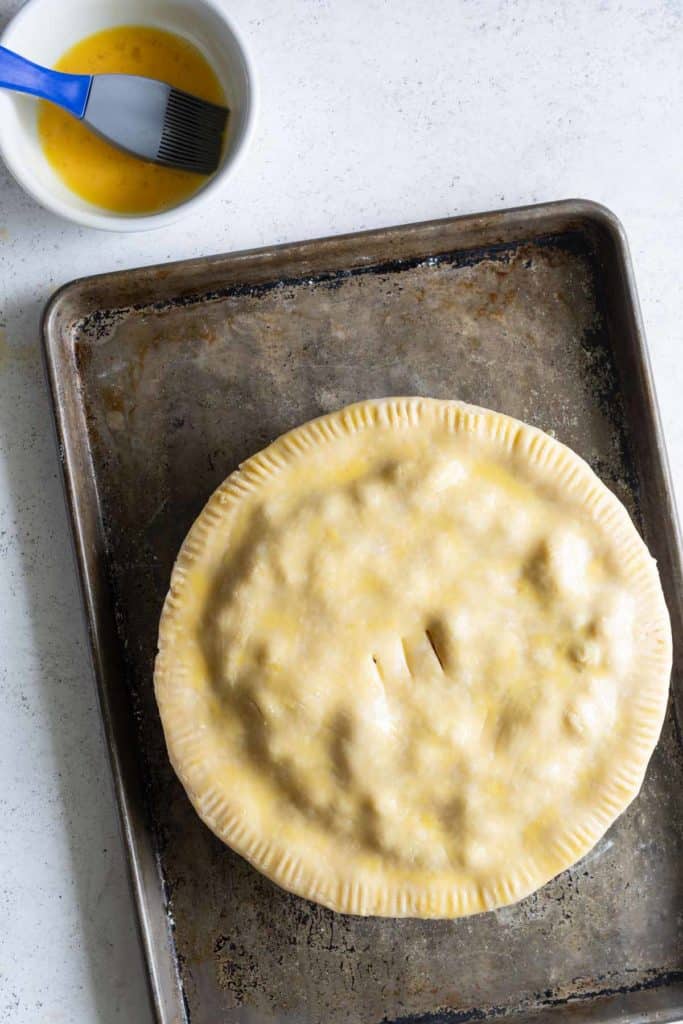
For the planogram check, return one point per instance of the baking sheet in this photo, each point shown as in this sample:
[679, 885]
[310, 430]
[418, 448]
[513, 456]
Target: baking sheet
[163, 380]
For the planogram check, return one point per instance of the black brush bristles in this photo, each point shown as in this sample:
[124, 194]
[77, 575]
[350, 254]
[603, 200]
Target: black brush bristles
[192, 136]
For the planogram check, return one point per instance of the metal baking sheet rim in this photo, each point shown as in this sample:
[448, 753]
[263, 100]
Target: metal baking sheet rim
[478, 231]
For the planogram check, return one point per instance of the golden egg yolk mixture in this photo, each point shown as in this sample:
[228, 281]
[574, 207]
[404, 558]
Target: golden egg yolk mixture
[98, 171]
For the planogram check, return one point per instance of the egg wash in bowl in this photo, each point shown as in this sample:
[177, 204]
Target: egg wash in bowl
[99, 172]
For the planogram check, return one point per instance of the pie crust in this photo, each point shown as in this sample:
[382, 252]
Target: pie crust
[414, 659]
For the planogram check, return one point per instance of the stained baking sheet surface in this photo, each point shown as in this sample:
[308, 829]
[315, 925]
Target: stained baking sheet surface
[164, 379]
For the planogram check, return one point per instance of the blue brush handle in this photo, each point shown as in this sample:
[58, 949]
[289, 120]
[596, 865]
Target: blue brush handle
[68, 91]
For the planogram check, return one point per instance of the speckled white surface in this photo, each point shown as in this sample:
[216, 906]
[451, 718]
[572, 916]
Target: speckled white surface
[372, 113]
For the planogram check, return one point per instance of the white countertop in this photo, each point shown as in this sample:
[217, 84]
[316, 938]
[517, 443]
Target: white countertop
[373, 112]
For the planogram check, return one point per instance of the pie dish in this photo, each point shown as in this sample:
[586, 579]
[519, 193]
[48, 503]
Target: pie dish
[414, 659]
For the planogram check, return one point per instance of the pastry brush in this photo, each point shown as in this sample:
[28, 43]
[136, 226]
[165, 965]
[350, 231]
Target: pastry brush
[150, 119]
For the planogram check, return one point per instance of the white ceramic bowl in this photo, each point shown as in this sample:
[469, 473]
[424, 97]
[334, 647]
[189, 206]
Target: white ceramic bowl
[44, 29]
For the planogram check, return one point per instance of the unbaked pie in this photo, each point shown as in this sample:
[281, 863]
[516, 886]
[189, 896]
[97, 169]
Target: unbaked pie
[414, 659]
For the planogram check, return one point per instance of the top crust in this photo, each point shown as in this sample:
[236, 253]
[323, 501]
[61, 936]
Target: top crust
[414, 659]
